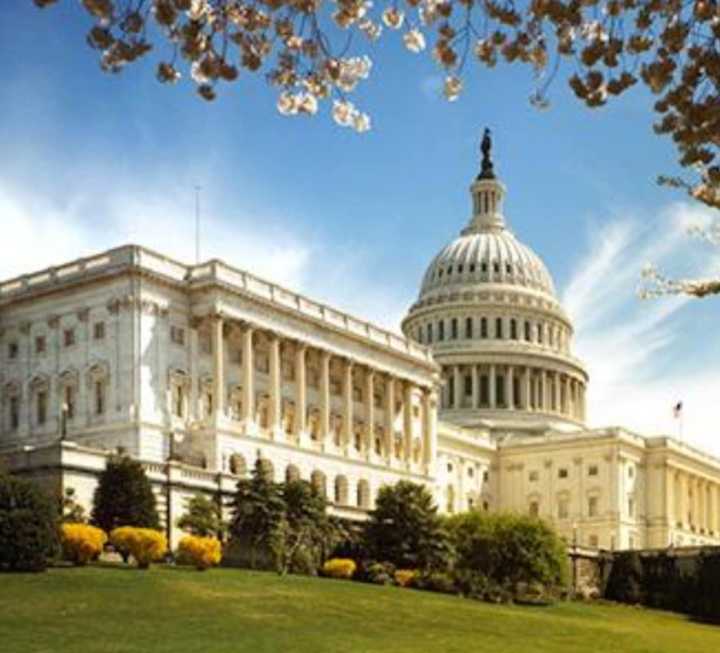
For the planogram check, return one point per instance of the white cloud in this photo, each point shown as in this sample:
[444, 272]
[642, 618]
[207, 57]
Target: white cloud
[626, 342]
[44, 234]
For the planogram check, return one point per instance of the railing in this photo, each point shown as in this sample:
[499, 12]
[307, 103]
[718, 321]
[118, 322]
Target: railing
[211, 272]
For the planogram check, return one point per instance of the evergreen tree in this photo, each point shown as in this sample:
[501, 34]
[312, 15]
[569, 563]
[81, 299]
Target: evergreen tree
[28, 525]
[203, 518]
[124, 496]
[258, 513]
[405, 529]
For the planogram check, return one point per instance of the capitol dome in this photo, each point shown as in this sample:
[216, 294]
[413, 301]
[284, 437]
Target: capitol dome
[488, 309]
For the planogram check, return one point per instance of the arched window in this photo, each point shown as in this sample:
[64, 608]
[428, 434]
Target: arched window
[39, 391]
[498, 328]
[268, 469]
[513, 329]
[68, 388]
[341, 490]
[318, 481]
[363, 494]
[292, 473]
[179, 382]
[11, 406]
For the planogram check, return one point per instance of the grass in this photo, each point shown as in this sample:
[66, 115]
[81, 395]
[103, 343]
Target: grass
[177, 610]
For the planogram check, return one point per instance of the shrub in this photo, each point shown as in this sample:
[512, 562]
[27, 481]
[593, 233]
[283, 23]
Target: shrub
[625, 581]
[203, 517]
[124, 496]
[339, 568]
[28, 532]
[81, 543]
[202, 552]
[145, 545]
[379, 573]
[405, 577]
[510, 550]
[435, 581]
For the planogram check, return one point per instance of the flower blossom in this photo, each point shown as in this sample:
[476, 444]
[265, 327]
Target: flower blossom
[414, 40]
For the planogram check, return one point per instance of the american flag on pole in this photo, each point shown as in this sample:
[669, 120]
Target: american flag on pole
[677, 410]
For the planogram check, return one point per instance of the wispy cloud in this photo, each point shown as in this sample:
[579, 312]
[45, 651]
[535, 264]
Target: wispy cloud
[626, 342]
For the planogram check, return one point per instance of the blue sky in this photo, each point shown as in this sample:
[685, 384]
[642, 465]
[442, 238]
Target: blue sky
[92, 160]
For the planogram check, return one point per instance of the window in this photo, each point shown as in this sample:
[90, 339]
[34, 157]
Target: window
[454, 329]
[13, 350]
[528, 337]
[496, 267]
[631, 471]
[99, 331]
[69, 337]
[69, 401]
[631, 507]
[468, 328]
[14, 413]
[179, 401]
[468, 385]
[563, 508]
[592, 507]
[534, 475]
[449, 467]
[41, 407]
[563, 472]
[534, 509]
[177, 335]
[593, 541]
[429, 333]
[483, 328]
[540, 329]
[483, 267]
[498, 327]
[593, 470]
[513, 329]
[40, 345]
[486, 476]
[441, 330]
[470, 472]
[99, 396]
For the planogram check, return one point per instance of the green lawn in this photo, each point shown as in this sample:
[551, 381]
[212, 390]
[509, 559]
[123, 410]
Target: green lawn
[166, 610]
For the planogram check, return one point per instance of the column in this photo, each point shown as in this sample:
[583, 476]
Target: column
[300, 392]
[429, 427]
[526, 384]
[248, 376]
[715, 490]
[458, 388]
[684, 508]
[407, 422]
[491, 381]
[509, 387]
[546, 391]
[324, 397]
[389, 416]
[369, 412]
[474, 371]
[347, 404]
[670, 499]
[275, 408]
[701, 505]
[556, 392]
[710, 507]
[195, 412]
[218, 366]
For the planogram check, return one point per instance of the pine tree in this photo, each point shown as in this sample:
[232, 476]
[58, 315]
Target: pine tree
[124, 496]
[203, 518]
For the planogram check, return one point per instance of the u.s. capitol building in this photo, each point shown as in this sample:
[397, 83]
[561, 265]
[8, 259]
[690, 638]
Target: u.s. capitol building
[200, 370]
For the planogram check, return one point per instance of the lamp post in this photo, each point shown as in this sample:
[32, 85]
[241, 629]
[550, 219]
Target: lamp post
[64, 413]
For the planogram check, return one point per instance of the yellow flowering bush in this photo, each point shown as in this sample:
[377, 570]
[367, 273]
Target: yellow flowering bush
[202, 552]
[339, 568]
[146, 545]
[81, 543]
[405, 577]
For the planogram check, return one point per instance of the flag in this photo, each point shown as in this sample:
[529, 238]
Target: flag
[677, 409]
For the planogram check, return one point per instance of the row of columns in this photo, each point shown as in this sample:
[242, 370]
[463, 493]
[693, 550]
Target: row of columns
[537, 389]
[428, 401]
[693, 502]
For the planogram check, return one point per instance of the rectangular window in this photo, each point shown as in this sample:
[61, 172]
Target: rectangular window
[177, 335]
[69, 337]
[14, 413]
[498, 328]
[99, 398]
[534, 475]
[563, 472]
[40, 345]
[592, 507]
[179, 397]
[484, 390]
[454, 328]
[441, 330]
[468, 328]
[429, 333]
[483, 328]
[563, 509]
[13, 350]
[631, 507]
[534, 509]
[593, 470]
[468, 385]
[99, 331]
[41, 407]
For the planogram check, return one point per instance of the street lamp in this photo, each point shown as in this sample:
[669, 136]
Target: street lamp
[64, 414]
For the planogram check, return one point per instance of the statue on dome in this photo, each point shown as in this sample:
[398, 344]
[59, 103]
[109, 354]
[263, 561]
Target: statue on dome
[486, 171]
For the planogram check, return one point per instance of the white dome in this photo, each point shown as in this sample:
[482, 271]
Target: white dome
[486, 256]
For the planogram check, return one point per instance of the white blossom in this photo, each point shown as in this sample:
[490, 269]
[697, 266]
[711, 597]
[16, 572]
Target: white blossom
[287, 104]
[361, 122]
[353, 70]
[343, 112]
[414, 40]
[370, 29]
[393, 18]
[452, 88]
[197, 75]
